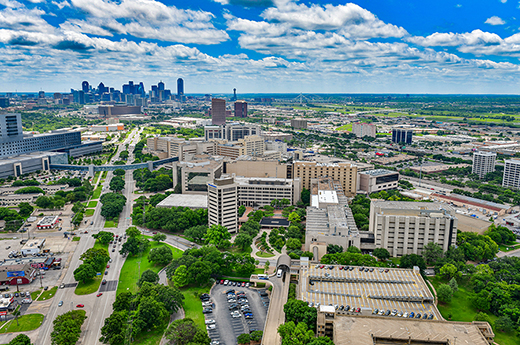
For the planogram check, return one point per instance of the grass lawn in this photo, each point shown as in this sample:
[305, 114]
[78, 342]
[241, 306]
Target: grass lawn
[88, 287]
[153, 337]
[461, 309]
[135, 265]
[25, 323]
[48, 294]
[347, 127]
[97, 193]
[509, 248]
[35, 294]
[89, 212]
[92, 203]
[193, 305]
[76, 238]
[111, 223]
[264, 255]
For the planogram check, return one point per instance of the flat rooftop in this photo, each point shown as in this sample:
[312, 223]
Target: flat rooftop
[365, 330]
[48, 220]
[372, 288]
[379, 172]
[185, 200]
[410, 207]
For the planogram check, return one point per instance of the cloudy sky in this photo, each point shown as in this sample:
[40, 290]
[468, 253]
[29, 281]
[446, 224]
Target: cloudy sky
[290, 46]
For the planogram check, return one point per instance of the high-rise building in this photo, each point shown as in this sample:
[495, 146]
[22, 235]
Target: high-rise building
[4, 102]
[85, 86]
[218, 111]
[234, 94]
[400, 135]
[405, 227]
[483, 163]
[299, 123]
[231, 131]
[180, 87]
[511, 176]
[240, 109]
[41, 94]
[223, 203]
[102, 89]
[345, 173]
[361, 129]
[160, 85]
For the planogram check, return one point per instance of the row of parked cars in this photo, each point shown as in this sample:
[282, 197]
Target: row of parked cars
[411, 315]
[238, 303]
[232, 283]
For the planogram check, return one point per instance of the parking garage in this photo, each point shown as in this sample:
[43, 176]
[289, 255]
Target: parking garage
[361, 290]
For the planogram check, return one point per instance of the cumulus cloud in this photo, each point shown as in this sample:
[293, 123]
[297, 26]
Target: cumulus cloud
[476, 37]
[246, 3]
[495, 21]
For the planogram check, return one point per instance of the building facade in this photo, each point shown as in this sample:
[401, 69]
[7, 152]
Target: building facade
[261, 191]
[373, 181]
[483, 163]
[231, 131]
[402, 136]
[223, 203]
[240, 109]
[218, 111]
[511, 176]
[361, 129]
[299, 123]
[404, 227]
[345, 173]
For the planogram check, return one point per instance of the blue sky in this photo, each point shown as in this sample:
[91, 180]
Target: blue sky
[260, 46]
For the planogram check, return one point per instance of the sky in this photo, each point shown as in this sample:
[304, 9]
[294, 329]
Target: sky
[263, 46]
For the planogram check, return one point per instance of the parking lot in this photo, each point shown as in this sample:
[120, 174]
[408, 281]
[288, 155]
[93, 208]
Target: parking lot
[227, 328]
[366, 289]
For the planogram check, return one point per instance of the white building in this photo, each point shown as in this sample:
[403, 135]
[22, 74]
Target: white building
[361, 129]
[483, 163]
[223, 203]
[511, 173]
[373, 181]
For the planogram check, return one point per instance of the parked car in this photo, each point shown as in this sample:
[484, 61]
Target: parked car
[209, 321]
[207, 310]
[80, 305]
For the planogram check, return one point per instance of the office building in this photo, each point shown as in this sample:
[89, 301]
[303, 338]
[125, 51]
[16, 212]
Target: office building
[257, 168]
[404, 227]
[299, 123]
[4, 102]
[118, 110]
[252, 145]
[85, 87]
[223, 203]
[361, 129]
[345, 173]
[218, 111]
[483, 163]
[511, 176]
[30, 162]
[240, 109]
[194, 175]
[402, 136]
[231, 131]
[180, 88]
[373, 181]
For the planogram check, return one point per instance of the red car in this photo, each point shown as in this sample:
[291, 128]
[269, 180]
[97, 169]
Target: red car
[80, 306]
[99, 294]
[108, 266]
[222, 282]
[340, 267]
[154, 233]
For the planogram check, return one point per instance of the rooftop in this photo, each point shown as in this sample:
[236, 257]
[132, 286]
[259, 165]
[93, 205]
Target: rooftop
[411, 207]
[185, 200]
[379, 172]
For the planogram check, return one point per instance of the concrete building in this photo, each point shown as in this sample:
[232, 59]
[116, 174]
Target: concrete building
[483, 163]
[345, 173]
[194, 175]
[47, 222]
[511, 173]
[240, 109]
[231, 131]
[108, 128]
[252, 145]
[27, 163]
[223, 203]
[186, 200]
[118, 110]
[361, 129]
[257, 168]
[404, 227]
[261, 191]
[401, 135]
[299, 123]
[279, 146]
[373, 181]
[218, 111]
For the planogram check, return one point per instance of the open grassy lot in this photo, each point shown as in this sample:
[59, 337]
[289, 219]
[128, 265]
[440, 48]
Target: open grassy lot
[509, 248]
[264, 255]
[111, 223]
[153, 337]
[89, 212]
[461, 309]
[76, 238]
[26, 323]
[135, 265]
[35, 294]
[347, 127]
[193, 305]
[88, 287]
[92, 203]
[97, 193]
[48, 294]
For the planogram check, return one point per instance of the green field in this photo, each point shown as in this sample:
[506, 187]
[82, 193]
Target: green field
[48, 294]
[76, 238]
[92, 204]
[97, 193]
[264, 255]
[135, 265]
[89, 287]
[151, 338]
[347, 127]
[111, 223]
[89, 212]
[503, 248]
[35, 294]
[26, 323]
[461, 309]
[193, 305]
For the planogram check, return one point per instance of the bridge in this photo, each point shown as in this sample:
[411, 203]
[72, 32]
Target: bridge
[92, 169]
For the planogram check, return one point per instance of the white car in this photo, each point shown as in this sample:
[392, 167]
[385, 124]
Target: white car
[209, 321]
[235, 314]
[232, 300]
[208, 327]
[226, 282]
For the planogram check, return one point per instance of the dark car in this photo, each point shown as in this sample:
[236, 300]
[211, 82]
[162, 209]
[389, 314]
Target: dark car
[104, 282]
[387, 313]
[16, 294]
[113, 250]
[361, 269]
[230, 291]
[418, 316]
[425, 316]
[207, 310]
[347, 308]
[106, 272]
[430, 317]
[217, 282]
[412, 314]
[233, 306]
[246, 311]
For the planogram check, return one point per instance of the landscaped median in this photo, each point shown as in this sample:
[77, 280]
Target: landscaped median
[25, 323]
[48, 294]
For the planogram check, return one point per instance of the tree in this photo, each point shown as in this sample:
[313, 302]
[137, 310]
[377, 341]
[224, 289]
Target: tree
[20, 339]
[295, 334]
[243, 240]
[353, 249]
[150, 314]
[132, 232]
[244, 338]
[241, 210]
[504, 324]
[334, 248]
[444, 293]
[44, 202]
[161, 255]
[104, 237]
[432, 252]
[29, 190]
[184, 332]
[159, 237]
[180, 277]
[148, 276]
[77, 219]
[256, 335]
[411, 260]
[84, 272]
[169, 296]
[113, 204]
[25, 210]
[199, 272]
[294, 218]
[294, 244]
[123, 301]
[305, 196]
[449, 271]
[134, 245]
[197, 233]
[114, 330]
[453, 284]
[117, 184]
[97, 257]
[381, 253]
[266, 266]
[300, 312]
[119, 172]
[78, 207]
[67, 327]
[218, 236]
[481, 301]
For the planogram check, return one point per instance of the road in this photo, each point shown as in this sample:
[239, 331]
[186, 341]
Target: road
[97, 308]
[275, 314]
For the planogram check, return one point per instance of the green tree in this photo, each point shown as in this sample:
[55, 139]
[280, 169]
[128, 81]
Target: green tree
[218, 236]
[161, 255]
[305, 196]
[411, 260]
[123, 301]
[294, 218]
[197, 233]
[134, 245]
[453, 284]
[299, 312]
[159, 237]
[295, 334]
[294, 244]
[432, 252]
[199, 272]
[132, 232]
[44, 202]
[117, 184]
[504, 324]
[256, 335]
[25, 209]
[243, 240]
[114, 330]
[244, 338]
[67, 327]
[334, 248]
[266, 266]
[29, 190]
[113, 204]
[104, 237]
[444, 293]
[20, 339]
[381, 254]
[169, 296]
[84, 272]
[180, 277]
[449, 271]
[481, 301]
[148, 276]
[186, 332]
[119, 172]
[78, 207]
[353, 249]
[241, 210]
[150, 314]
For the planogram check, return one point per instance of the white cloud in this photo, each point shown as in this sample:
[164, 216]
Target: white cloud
[495, 21]
[503, 1]
[476, 37]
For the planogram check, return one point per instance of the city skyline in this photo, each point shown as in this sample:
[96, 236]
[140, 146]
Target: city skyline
[264, 46]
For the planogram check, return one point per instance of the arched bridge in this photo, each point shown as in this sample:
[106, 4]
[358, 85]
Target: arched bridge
[93, 168]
